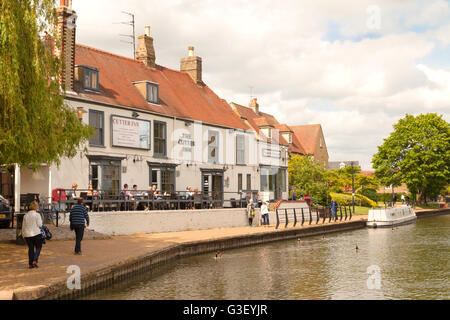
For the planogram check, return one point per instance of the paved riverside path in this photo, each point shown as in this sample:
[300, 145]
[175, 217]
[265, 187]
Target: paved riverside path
[56, 256]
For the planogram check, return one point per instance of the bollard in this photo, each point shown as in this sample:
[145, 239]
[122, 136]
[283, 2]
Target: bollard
[350, 209]
[318, 215]
[331, 215]
[287, 220]
[295, 217]
[278, 220]
[310, 216]
[303, 218]
[324, 216]
[340, 209]
[345, 209]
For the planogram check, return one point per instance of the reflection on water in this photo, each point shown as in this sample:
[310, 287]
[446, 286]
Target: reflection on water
[413, 260]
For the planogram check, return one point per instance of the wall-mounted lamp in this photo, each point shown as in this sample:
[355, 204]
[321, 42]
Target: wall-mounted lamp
[80, 111]
[135, 114]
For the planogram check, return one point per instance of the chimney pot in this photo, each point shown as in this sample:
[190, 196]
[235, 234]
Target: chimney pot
[191, 51]
[145, 50]
[193, 66]
[254, 105]
[65, 3]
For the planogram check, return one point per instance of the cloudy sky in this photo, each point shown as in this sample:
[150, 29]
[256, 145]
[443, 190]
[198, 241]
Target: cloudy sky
[354, 66]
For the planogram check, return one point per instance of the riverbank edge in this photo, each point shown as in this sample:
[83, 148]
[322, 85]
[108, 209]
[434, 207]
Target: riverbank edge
[126, 270]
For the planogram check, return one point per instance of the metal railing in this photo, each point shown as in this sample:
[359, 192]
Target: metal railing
[293, 215]
[126, 200]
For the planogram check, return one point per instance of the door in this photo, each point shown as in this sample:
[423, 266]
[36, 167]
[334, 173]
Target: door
[212, 185]
[111, 179]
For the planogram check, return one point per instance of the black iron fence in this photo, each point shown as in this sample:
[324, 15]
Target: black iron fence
[139, 200]
[312, 214]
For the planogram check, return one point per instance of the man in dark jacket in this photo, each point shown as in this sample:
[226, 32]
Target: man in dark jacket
[77, 218]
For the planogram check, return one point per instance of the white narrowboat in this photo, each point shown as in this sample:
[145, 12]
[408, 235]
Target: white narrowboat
[391, 217]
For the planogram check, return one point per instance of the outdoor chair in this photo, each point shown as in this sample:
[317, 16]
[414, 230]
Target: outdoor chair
[198, 201]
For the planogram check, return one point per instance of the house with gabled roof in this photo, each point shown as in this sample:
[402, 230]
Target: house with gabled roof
[313, 142]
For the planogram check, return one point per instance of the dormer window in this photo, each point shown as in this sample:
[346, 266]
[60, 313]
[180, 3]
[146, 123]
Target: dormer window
[87, 76]
[152, 92]
[149, 90]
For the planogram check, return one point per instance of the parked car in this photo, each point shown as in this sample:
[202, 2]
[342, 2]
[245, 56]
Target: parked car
[5, 213]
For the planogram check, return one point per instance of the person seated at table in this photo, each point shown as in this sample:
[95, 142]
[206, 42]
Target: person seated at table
[135, 195]
[91, 192]
[126, 193]
[73, 194]
[188, 194]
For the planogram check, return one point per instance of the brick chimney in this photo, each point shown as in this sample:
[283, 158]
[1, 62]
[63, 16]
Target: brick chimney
[145, 50]
[193, 66]
[67, 32]
[254, 105]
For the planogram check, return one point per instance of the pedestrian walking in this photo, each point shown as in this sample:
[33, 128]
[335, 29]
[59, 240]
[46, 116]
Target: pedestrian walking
[77, 218]
[31, 232]
[265, 213]
[250, 212]
[333, 209]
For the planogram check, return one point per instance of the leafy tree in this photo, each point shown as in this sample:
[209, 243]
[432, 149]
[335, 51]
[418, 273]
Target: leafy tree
[35, 125]
[306, 176]
[416, 153]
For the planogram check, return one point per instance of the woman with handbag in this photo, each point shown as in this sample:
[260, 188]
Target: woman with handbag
[31, 232]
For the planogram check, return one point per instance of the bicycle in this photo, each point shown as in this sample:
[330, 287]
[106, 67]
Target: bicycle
[51, 213]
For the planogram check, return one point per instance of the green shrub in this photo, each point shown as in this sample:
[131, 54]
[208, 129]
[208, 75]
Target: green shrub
[369, 193]
[344, 199]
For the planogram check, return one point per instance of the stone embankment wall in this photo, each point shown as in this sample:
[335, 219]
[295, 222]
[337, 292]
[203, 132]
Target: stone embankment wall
[128, 223]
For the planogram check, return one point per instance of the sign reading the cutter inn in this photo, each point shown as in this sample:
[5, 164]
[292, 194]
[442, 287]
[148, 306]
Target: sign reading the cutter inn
[130, 133]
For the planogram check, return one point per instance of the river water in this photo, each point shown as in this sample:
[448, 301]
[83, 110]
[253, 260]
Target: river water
[411, 262]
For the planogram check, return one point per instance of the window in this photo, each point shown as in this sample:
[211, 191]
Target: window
[90, 80]
[163, 177]
[321, 144]
[96, 120]
[290, 138]
[249, 182]
[152, 93]
[240, 149]
[213, 146]
[282, 174]
[239, 182]
[167, 180]
[105, 176]
[159, 135]
[264, 179]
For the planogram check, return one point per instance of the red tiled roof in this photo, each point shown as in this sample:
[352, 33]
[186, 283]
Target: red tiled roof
[256, 120]
[367, 173]
[262, 122]
[308, 135]
[283, 128]
[179, 95]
